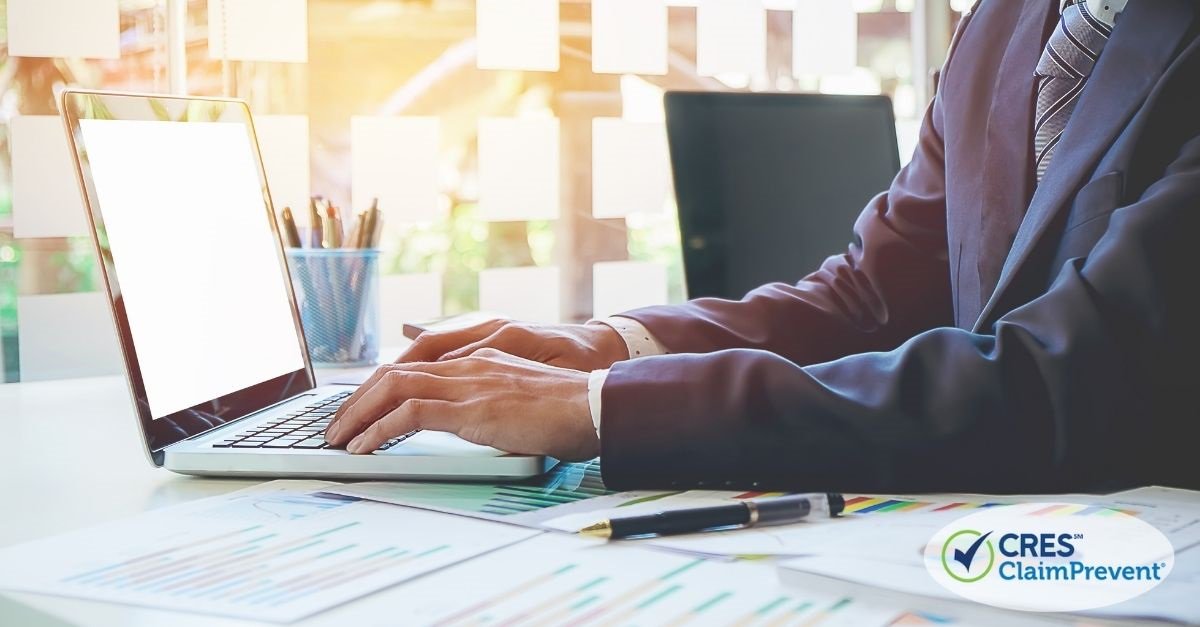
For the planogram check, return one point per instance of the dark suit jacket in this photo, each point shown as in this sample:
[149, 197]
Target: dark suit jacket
[919, 361]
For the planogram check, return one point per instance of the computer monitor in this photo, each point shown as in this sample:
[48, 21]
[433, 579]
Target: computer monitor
[769, 185]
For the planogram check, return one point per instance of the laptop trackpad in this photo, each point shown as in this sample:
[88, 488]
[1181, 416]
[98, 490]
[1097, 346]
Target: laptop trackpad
[439, 444]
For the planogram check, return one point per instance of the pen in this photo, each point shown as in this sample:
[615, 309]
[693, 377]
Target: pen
[748, 513]
[291, 235]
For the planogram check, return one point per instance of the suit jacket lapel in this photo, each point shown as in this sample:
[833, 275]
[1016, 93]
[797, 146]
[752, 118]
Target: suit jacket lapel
[1006, 181]
[1140, 48]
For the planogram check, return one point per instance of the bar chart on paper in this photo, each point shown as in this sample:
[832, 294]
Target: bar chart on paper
[551, 580]
[566, 484]
[274, 555]
[567, 489]
[862, 505]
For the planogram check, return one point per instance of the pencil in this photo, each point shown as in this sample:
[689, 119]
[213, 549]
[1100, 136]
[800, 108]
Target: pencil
[333, 228]
[353, 239]
[314, 221]
[291, 235]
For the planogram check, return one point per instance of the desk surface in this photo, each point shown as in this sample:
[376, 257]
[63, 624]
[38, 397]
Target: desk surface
[73, 459]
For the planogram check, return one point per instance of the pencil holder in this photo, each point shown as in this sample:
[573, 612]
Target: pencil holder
[338, 293]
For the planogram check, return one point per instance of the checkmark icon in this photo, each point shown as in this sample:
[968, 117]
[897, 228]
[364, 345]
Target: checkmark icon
[966, 557]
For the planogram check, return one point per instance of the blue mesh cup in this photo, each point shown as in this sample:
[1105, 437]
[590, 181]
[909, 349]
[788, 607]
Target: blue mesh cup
[338, 294]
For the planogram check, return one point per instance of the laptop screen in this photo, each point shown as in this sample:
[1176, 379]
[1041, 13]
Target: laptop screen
[195, 256]
[192, 261]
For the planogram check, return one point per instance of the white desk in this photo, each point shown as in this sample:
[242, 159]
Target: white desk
[73, 459]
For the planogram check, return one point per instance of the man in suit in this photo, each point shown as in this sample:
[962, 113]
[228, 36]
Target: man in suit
[1018, 312]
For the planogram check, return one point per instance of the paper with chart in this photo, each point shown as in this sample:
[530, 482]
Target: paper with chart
[1175, 513]
[896, 528]
[275, 552]
[1173, 600]
[567, 489]
[562, 580]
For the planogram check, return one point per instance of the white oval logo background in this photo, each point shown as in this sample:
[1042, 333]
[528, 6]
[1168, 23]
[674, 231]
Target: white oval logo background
[1049, 557]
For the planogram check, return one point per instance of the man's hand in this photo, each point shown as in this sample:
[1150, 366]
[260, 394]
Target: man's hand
[489, 398]
[583, 347]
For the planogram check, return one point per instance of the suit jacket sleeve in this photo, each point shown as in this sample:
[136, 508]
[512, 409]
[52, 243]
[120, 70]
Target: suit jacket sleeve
[891, 283]
[1092, 381]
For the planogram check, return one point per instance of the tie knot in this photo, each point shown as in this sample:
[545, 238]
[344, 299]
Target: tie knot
[1074, 45]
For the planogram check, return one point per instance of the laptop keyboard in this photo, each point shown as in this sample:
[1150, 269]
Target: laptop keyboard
[301, 429]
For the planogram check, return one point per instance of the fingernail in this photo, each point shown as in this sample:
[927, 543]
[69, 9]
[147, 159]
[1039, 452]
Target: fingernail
[331, 431]
[355, 445]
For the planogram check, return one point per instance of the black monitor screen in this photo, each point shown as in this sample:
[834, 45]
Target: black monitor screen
[769, 185]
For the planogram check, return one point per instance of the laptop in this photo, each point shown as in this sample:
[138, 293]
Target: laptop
[197, 280]
[788, 172]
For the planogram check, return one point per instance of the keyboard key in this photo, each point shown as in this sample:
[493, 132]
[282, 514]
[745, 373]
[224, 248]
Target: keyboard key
[394, 441]
[303, 428]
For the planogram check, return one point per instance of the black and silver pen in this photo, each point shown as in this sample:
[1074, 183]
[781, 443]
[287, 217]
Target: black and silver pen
[748, 513]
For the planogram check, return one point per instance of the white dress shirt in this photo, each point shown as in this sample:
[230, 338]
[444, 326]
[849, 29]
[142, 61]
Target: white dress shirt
[1105, 10]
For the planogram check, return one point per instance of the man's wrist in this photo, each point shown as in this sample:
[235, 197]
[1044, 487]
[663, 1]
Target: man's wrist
[639, 342]
[609, 344]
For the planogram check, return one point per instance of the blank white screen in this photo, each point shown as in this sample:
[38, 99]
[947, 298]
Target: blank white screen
[195, 256]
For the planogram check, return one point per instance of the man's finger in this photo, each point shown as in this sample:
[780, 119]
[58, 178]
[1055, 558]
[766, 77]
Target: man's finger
[496, 341]
[431, 345]
[359, 391]
[512, 339]
[497, 355]
[396, 386]
[413, 414]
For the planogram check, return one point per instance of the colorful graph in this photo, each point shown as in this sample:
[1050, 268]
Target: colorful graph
[865, 504]
[582, 593]
[922, 618]
[564, 485]
[279, 506]
[860, 505]
[268, 554]
[252, 566]
[1063, 509]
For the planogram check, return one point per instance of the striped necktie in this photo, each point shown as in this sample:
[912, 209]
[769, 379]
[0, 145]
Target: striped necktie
[1062, 72]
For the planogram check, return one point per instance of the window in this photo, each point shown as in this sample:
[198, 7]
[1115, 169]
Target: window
[516, 146]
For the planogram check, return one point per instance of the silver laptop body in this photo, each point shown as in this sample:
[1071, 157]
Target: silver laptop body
[196, 276]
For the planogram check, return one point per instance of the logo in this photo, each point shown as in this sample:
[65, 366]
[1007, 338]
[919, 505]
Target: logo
[1053, 557]
[966, 558]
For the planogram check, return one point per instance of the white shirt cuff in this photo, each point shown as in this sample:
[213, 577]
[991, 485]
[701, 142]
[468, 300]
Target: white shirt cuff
[595, 384]
[640, 343]
[638, 339]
